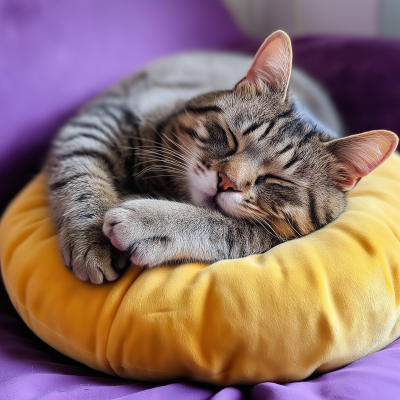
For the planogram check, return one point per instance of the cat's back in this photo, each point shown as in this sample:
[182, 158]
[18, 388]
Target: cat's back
[166, 84]
[162, 87]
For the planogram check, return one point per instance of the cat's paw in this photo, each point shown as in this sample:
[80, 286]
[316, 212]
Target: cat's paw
[90, 256]
[142, 229]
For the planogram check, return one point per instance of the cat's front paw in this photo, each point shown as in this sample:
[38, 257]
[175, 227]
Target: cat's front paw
[143, 230]
[89, 254]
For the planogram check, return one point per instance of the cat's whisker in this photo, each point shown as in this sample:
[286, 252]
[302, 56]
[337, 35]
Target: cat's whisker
[274, 232]
[288, 221]
[170, 153]
[257, 222]
[171, 166]
[163, 137]
[171, 180]
[283, 236]
[182, 147]
[159, 176]
[141, 139]
[257, 213]
[163, 158]
[153, 168]
[163, 161]
[265, 224]
[167, 164]
[160, 167]
[150, 171]
[253, 207]
[267, 228]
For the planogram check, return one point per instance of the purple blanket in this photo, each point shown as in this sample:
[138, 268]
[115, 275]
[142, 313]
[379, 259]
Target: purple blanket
[56, 55]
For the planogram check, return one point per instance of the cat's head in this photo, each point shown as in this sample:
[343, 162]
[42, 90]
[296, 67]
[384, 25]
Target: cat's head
[252, 153]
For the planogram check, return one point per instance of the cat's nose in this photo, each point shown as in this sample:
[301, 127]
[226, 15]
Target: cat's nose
[225, 184]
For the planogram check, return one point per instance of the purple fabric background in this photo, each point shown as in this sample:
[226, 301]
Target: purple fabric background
[54, 55]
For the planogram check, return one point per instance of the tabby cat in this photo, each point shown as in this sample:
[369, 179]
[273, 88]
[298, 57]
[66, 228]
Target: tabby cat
[181, 162]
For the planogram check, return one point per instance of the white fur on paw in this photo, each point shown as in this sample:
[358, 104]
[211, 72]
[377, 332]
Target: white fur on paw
[135, 228]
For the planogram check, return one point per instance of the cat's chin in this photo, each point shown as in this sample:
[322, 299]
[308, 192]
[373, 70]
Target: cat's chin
[221, 203]
[225, 203]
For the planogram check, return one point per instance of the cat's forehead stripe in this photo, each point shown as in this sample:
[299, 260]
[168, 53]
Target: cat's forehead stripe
[285, 149]
[308, 136]
[203, 110]
[267, 130]
[294, 160]
[252, 128]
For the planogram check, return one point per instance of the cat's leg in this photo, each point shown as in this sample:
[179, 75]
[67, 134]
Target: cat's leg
[87, 170]
[156, 232]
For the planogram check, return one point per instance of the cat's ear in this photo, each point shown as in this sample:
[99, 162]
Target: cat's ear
[273, 63]
[359, 155]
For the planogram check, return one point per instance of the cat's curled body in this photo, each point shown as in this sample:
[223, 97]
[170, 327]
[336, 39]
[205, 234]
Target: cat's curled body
[186, 160]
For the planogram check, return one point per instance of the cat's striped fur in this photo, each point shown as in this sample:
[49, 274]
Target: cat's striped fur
[230, 172]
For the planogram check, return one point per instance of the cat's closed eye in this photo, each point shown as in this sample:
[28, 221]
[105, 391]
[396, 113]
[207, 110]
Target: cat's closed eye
[271, 178]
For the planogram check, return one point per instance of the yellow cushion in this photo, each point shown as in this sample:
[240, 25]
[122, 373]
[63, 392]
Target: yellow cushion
[313, 304]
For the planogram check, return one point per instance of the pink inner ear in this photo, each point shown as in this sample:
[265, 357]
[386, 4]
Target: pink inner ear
[272, 63]
[361, 154]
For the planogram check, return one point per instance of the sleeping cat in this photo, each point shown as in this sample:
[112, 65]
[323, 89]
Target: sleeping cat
[195, 159]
